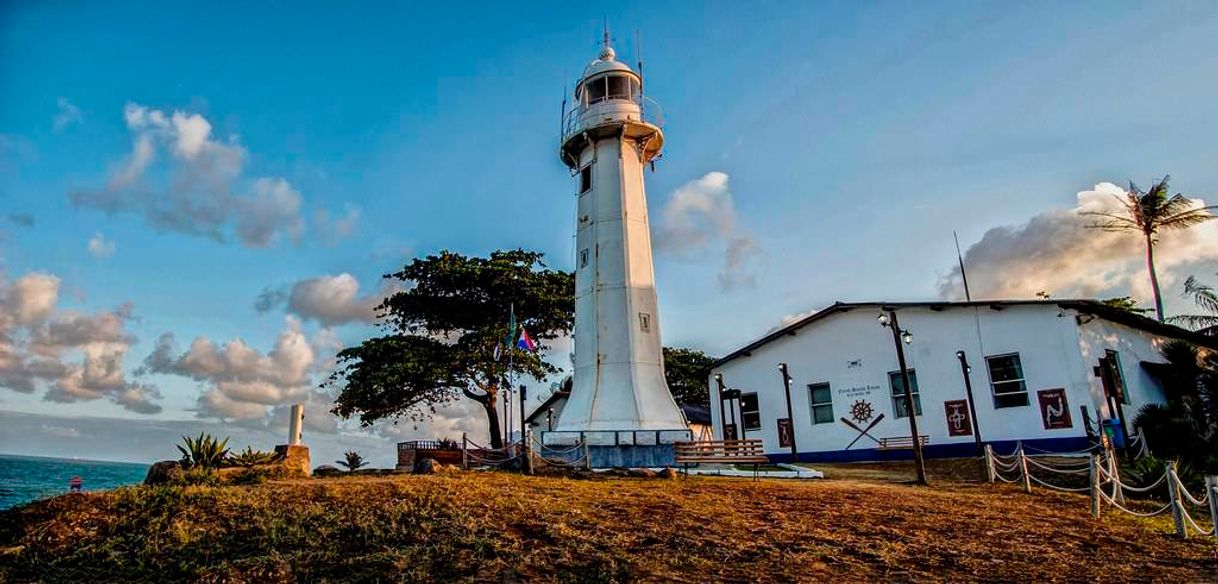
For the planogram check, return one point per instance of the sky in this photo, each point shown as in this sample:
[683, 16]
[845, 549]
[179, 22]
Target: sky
[197, 204]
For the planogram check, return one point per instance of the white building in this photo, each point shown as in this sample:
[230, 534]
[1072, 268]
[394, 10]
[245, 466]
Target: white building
[1034, 369]
[608, 138]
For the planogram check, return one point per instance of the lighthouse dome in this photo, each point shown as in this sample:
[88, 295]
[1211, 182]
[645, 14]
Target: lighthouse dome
[603, 64]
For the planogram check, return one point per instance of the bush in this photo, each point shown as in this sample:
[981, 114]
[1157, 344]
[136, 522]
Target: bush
[203, 452]
[250, 457]
[198, 475]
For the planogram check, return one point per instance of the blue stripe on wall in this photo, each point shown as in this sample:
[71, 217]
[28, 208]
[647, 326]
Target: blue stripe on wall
[955, 450]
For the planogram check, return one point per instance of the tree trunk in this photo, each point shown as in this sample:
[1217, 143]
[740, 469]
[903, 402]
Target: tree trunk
[489, 400]
[1154, 278]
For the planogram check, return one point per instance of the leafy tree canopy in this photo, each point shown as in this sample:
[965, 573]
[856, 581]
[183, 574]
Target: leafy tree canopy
[443, 329]
[687, 371]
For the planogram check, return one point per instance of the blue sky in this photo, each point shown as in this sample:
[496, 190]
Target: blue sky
[854, 138]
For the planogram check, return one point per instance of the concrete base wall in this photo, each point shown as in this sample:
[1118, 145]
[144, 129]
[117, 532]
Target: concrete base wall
[624, 456]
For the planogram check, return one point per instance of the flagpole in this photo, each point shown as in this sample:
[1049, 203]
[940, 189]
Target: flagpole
[507, 428]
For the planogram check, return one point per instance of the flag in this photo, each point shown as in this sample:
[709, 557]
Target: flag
[510, 338]
[526, 342]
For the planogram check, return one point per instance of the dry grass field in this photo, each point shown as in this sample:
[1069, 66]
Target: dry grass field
[862, 526]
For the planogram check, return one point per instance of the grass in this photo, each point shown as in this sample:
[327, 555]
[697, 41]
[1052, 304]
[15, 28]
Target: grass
[507, 528]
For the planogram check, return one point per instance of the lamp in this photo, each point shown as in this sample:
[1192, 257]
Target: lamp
[883, 318]
[907, 337]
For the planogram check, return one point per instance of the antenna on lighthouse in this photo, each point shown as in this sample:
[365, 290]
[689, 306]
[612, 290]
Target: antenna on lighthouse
[638, 54]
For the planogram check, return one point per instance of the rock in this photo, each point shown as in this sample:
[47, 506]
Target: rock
[326, 470]
[293, 458]
[668, 473]
[427, 466]
[162, 472]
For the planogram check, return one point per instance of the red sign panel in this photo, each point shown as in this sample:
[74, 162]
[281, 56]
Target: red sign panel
[784, 432]
[958, 421]
[1054, 411]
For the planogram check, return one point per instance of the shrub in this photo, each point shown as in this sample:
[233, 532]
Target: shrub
[250, 457]
[204, 452]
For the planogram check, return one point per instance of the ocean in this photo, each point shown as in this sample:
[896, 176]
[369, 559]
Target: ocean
[28, 478]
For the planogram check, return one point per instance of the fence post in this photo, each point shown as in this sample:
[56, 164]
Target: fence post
[1095, 486]
[464, 451]
[1023, 470]
[1177, 511]
[1114, 471]
[1211, 488]
[989, 462]
[587, 456]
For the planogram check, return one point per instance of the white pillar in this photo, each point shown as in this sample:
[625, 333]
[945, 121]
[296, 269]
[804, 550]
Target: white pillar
[295, 425]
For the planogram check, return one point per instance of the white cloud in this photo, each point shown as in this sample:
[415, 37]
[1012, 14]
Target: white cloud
[698, 212]
[204, 192]
[329, 300]
[701, 215]
[77, 356]
[243, 384]
[99, 247]
[1055, 252]
[66, 115]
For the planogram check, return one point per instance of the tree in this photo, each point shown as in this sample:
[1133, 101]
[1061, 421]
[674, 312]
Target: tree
[1186, 427]
[687, 371]
[1204, 296]
[444, 328]
[1149, 213]
[352, 461]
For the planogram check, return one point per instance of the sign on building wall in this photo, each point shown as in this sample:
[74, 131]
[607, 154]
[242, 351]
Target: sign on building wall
[958, 421]
[1054, 411]
[784, 432]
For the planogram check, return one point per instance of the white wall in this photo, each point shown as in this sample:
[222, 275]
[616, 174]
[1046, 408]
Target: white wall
[1047, 338]
[1134, 346]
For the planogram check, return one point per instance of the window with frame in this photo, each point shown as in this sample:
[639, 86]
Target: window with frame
[821, 398]
[645, 322]
[1114, 358]
[1006, 381]
[898, 393]
[583, 258]
[585, 179]
[750, 413]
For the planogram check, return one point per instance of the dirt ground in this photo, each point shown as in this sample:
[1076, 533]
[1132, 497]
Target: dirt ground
[861, 523]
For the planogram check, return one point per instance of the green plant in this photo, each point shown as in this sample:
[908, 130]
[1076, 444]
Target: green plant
[250, 457]
[204, 452]
[444, 328]
[1149, 213]
[1206, 298]
[352, 461]
[195, 476]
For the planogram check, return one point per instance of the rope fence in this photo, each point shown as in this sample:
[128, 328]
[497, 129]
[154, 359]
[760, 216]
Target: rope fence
[1104, 483]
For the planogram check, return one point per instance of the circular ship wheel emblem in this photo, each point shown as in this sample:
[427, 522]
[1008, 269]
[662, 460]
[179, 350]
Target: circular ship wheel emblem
[861, 411]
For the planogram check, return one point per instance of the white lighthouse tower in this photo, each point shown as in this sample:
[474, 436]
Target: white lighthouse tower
[608, 138]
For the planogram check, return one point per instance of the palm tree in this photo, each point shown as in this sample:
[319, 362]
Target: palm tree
[1206, 298]
[1149, 213]
[353, 461]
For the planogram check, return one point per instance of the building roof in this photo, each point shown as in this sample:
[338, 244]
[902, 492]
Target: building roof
[695, 414]
[1085, 306]
[545, 405]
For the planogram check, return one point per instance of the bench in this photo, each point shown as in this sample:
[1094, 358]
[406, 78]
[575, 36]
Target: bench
[750, 451]
[902, 442]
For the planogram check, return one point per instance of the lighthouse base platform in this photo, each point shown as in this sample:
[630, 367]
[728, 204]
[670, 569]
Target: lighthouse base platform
[613, 448]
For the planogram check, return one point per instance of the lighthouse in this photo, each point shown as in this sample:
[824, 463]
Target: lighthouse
[610, 135]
